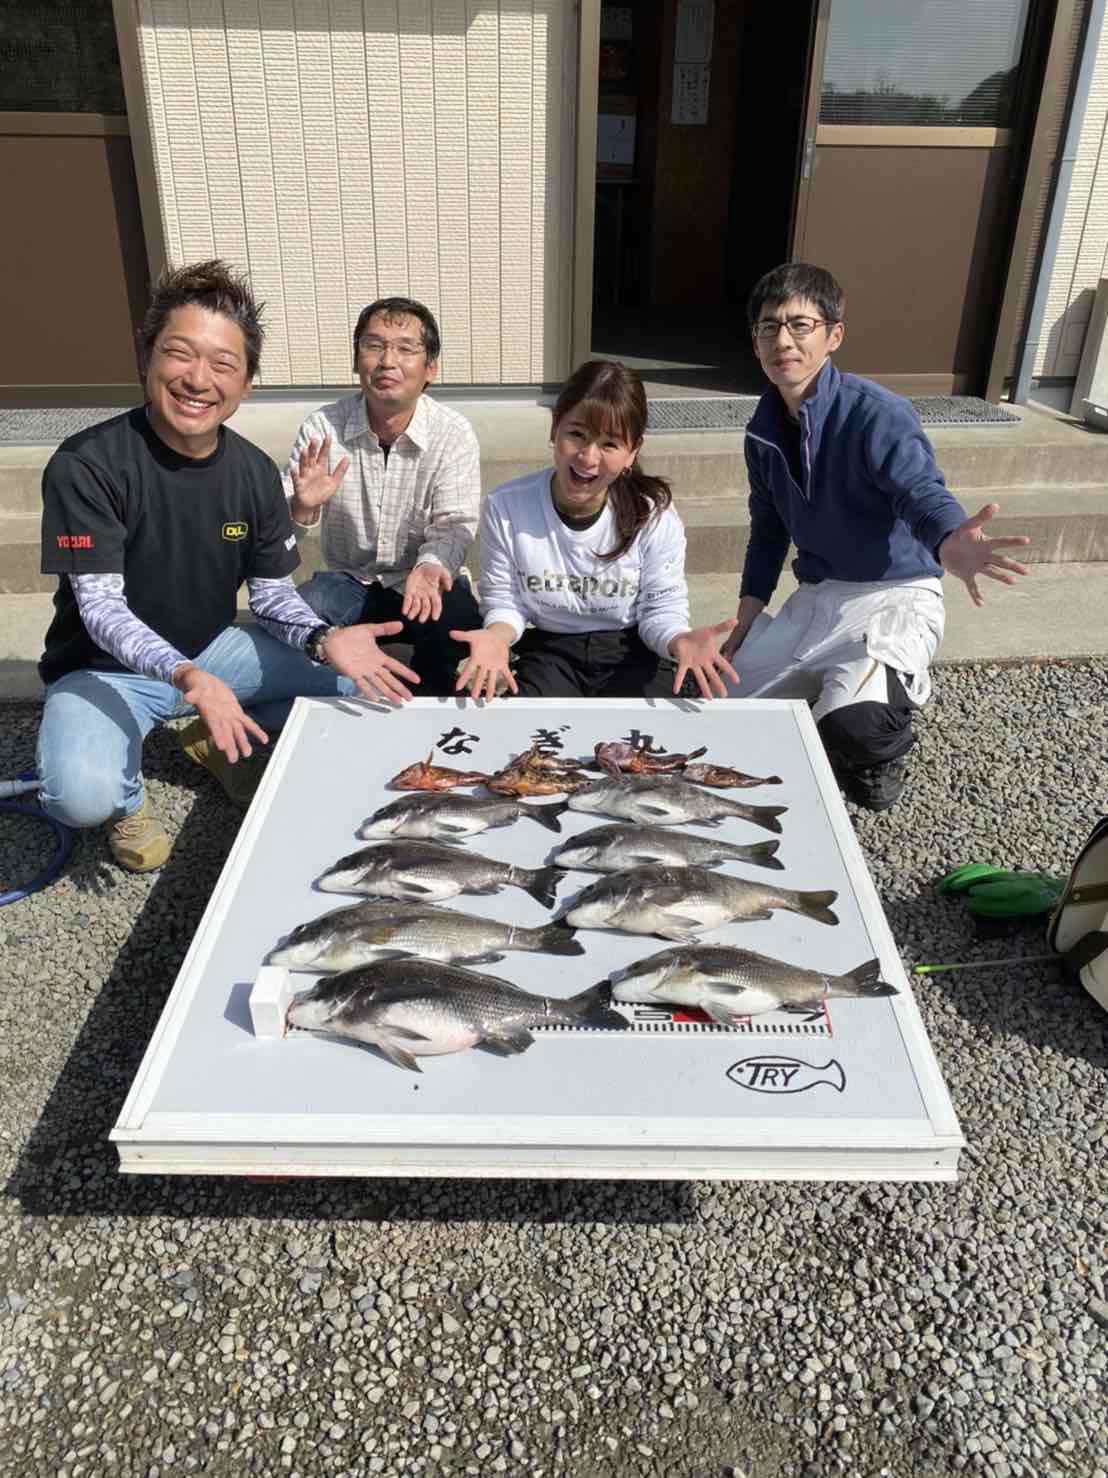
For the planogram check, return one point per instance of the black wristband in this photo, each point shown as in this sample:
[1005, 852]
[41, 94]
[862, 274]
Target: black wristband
[313, 647]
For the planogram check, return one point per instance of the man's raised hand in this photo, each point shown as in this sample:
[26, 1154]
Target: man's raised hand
[968, 552]
[313, 484]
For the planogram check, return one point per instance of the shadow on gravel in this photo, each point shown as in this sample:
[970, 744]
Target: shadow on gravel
[1035, 1002]
[69, 1168]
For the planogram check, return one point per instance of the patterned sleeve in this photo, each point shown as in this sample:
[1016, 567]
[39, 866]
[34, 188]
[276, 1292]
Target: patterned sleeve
[282, 611]
[112, 625]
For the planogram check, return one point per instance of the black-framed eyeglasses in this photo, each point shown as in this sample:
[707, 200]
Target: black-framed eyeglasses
[798, 328]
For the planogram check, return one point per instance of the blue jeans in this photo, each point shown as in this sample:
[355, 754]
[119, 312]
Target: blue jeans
[94, 723]
[340, 600]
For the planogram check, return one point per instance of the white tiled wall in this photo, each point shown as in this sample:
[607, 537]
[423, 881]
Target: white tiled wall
[343, 150]
[1083, 245]
[1082, 257]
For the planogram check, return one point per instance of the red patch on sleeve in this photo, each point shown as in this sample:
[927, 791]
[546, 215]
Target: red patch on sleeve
[75, 541]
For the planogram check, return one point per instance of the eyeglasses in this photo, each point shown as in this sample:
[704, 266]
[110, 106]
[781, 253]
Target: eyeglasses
[403, 348]
[798, 328]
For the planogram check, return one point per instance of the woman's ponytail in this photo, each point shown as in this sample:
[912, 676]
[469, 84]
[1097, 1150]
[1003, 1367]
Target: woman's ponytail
[636, 499]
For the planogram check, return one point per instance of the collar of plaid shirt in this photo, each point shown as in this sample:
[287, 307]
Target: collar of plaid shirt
[357, 424]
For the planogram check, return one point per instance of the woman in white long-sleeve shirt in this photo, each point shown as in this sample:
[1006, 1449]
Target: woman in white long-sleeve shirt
[583, 565]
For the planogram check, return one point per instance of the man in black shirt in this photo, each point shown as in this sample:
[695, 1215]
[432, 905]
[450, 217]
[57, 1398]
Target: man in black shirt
[152, 520]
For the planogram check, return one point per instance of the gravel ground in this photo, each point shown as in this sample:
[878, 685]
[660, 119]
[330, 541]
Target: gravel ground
[166, 1326]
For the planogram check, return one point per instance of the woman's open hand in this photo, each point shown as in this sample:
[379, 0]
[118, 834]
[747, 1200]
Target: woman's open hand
[486, 664]
[698, 652]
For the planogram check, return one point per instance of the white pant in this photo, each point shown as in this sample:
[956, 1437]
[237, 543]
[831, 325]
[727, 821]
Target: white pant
[833, 643]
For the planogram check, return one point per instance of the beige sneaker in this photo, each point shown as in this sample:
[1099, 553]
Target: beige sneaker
[139, 842]
[239, 780]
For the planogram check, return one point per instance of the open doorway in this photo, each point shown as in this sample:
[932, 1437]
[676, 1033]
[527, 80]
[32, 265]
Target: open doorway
[700, 112]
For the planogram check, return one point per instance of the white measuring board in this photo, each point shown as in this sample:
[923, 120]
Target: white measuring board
[851, 1092]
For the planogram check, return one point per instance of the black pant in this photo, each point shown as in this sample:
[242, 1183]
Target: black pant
[862, 735]
[591, 664]
[343, 601]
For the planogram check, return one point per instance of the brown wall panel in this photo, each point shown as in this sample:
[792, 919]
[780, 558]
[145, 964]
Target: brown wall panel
[915, 235]
[72, 262]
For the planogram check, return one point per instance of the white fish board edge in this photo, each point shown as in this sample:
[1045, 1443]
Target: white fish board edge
[547, 1146]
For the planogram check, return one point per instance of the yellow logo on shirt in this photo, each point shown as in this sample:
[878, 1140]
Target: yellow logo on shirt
[234, 531]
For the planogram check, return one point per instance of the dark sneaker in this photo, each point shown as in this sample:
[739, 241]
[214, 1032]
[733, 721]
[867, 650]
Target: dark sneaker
[875, 787]
[139, 842]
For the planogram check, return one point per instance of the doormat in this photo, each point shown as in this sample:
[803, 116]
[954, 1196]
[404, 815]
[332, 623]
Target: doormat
[733, 412]
[52, 424]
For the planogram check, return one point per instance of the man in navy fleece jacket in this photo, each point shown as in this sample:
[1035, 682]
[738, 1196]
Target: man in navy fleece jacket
[841, 468]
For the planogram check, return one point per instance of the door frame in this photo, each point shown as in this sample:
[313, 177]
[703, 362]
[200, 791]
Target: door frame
[821, 16]
[125, 14]
[584, 214]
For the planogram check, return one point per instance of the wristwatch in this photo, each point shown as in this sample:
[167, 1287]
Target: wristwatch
[313, 647]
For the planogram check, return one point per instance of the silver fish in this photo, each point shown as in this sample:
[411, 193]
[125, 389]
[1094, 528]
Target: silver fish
[383, 929]
[679, 903]
[732, 983]
[429, 872]
[451, 818]
[420, 1008]
[613, 848]
[666, 800]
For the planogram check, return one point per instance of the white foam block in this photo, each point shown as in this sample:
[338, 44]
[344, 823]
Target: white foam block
[269, 1000]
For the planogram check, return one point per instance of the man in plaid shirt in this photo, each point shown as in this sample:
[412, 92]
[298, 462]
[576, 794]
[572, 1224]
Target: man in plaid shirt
[389, 481]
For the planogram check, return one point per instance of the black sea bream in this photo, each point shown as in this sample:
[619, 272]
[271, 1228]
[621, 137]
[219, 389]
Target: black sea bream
[389, 929]
[419, 1008]
[732, 983]
[613, 848]
[429, 872]
[665, 800]
[679, 903]
[452, 818]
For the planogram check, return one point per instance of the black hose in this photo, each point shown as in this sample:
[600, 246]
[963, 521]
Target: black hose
[65, 845]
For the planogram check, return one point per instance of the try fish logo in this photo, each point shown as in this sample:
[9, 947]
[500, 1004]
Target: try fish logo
[785, 1074]
[234, 531]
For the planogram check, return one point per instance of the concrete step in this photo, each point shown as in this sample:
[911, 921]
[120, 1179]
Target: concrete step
[21, 478]
[1057, 612]
[704, 467]
[1049, 474]
[1066, 525]
[1046, 447]
[20, 555]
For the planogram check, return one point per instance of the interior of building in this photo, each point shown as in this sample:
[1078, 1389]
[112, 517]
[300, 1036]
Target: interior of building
[696, 168]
